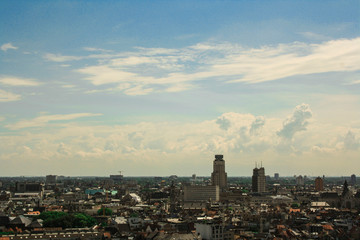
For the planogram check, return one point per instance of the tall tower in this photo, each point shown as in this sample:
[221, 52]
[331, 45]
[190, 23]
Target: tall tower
[258, 180]
[319, 184]
[353, 180]
[219, 176]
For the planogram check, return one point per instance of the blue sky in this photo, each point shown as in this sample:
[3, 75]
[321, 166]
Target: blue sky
[160, 87]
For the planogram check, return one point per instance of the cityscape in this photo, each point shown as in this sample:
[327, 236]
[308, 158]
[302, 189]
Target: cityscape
[216, 207]
[179, 120]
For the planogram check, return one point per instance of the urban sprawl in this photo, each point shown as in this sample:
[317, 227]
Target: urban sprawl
[153, 208]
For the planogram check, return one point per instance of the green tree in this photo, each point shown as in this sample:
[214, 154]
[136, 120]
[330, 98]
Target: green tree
[108, 211]
[65, 220]
[295, 205]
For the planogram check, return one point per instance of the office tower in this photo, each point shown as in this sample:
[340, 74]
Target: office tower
[193, 177]
[300, 181]
[258, 180]
[353, 180]
[276, 176]
[219, 176]
[319, 184]
[51, 179]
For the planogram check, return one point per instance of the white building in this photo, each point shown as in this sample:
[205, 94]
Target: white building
[213, 231]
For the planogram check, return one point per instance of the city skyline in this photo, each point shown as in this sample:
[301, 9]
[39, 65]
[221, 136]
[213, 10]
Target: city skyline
[159, 88]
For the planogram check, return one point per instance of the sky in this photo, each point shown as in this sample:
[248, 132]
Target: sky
[157, 88]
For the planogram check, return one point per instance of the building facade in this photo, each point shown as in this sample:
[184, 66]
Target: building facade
[300, 181]
[219, 176]
[276, 176]
[213, 231]
[259, 180]
[201, 193]
[51, 179]
[319, 184]
[353, 180]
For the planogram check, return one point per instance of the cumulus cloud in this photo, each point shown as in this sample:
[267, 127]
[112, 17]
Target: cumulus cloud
[223, 122]
[42, 120]
[16, 81]
[297, 122]
[141, 148]
[350, 141]
[8, 96]
[63, 149]
[8, 46]
[257, 124]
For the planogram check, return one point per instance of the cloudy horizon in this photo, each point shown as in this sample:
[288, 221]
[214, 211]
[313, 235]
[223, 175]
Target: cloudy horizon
[156, 89]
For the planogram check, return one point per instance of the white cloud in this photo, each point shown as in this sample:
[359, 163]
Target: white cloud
[257, 124]
[350, 141]
[8, 46]
[16, 81]
[314, 36]
[138, 90]
[355, 82]
[139, 149]
[90, 49]
[60, 58]
[179, 87]
[297, 122]
[68, 86]
[166, 69]
[100, 75]
[8, 96]
[43, 120]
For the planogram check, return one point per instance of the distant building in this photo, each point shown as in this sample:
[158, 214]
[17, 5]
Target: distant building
[353, 180]
[213, 231]
[201, 193]
[51, 179]
[319, 184]
[24, 187]
[305, 179]
[193, 179]
[117, 178]
[173, 178]
[299, 181]
[276, 176]
[258, 180]
[267, 178]
[219, 176]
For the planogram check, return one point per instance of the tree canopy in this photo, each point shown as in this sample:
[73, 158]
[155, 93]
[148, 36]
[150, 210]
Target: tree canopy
[108, 211]
[66, 220]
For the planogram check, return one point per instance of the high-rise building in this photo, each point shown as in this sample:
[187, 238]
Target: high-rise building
[276, 176]
[299, 180]
[319, 184]
[258, 180]
[51, 179]
[219, 176]
[353, 180]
